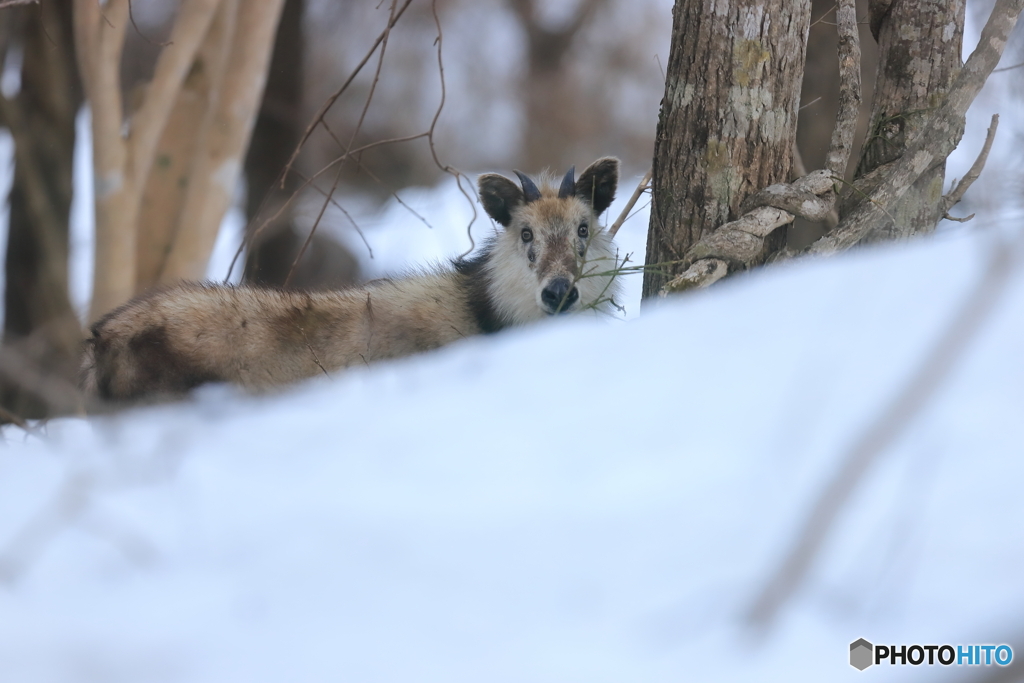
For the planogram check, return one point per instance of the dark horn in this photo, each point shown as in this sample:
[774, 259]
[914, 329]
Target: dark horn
[530, 191]
[568, 188]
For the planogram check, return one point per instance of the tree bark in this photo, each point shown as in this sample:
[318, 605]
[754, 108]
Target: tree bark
[170, 176]
[217, 168]
[728, 119]
[916, 69]
[40, 326]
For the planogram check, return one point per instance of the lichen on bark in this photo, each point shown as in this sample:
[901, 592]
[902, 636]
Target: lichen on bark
[728, 118]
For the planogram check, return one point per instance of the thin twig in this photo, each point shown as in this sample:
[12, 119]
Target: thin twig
[344, 211]
[822, 17]
[644, 184]
[251, 237]
[1007, 68]
[376, 75]
[310, 347]
[814, 101]
[455, 173]
[131, 17]
[326, 106]
[309, 237]
[351, 141]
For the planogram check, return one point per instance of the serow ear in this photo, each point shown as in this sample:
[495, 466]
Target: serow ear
[500, 196]
[598, 182]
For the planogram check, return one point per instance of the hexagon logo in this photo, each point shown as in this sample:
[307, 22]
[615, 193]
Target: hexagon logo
[861, 654]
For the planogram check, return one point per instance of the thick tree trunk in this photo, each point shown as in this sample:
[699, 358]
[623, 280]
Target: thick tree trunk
[728, 119]
[916, 69]
[41, 331]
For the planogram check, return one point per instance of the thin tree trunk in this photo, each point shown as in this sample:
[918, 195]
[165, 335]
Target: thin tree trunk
[170, 177]
[916, 69]
[216, 173]
[40, 326]
[728, 119]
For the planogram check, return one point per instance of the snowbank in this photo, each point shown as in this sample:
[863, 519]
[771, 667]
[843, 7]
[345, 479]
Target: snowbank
[576, 501]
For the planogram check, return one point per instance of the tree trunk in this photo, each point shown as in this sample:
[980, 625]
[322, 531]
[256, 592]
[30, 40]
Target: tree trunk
[41, 331]
[216, 172]
[728, 119]
[916, 69]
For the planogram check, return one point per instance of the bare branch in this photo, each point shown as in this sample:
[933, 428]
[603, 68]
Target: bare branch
[957, 193]
[958, 219]
[640, 189]
[326, 106]
[14, 418]
[312, 231]
[1007, 68]
[891, 422]
[936, 139]
[849, 90]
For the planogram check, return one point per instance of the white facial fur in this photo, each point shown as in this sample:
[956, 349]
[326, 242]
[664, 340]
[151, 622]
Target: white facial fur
[521, 269]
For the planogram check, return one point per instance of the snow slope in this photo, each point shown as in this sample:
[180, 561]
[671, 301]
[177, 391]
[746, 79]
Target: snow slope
[578, 501]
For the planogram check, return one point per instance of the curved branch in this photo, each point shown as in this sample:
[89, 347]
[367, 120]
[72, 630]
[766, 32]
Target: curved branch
[957, 193]
[937, 138]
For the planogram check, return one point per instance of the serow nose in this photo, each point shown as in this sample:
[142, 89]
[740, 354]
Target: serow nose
[559, 296]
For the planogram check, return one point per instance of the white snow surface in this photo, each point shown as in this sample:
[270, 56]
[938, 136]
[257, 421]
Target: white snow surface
[581, 500]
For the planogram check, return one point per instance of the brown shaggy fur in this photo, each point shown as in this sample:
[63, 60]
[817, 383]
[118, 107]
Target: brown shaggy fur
[170, 340]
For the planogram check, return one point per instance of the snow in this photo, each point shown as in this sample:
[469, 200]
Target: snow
[580, 500]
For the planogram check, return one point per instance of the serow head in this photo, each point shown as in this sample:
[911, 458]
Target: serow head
[552, 243]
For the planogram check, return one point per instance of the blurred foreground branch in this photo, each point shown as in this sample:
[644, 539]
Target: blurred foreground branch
[894, 418]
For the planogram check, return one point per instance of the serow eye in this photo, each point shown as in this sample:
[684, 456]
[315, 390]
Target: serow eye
[583, 230]
[527, 235]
